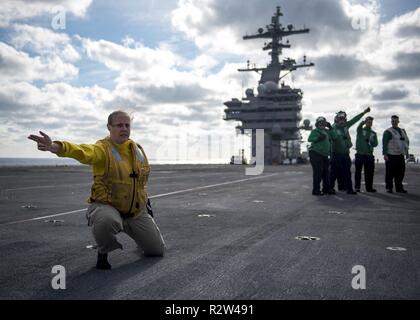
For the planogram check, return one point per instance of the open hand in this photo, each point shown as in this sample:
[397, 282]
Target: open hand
[44, 141]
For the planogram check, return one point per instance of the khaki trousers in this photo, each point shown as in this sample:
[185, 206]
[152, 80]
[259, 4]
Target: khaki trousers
[106, 223]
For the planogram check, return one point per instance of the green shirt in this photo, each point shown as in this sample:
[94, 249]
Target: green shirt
[385, 140]
[366, 140]
[321, 141]
[343, 142]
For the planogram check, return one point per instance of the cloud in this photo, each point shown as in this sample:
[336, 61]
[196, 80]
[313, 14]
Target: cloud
[407, 66]
[407, 25]
[15, 10]
[388, 45]
[57, 100]
[173, 88]
[390, 94]
[177, 94]
[59, 109]
[409, 31]
[341, 68]
[118, 57]
[37, 38]
[18, 65]
[9, 105]
[203, 64]
[43, 41]
[218, 26]
[396, 90]
[150, 76]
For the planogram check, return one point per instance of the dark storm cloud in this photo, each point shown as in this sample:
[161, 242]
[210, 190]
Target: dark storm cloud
[408, 32]
[390, 94]
[407, 66]
[341, 68]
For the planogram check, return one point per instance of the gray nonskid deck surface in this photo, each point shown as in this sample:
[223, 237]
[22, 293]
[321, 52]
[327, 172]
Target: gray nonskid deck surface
[229, 241]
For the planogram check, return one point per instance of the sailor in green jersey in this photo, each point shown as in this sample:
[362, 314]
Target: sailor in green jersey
[366, 141]
[319, 152]
[340, 159]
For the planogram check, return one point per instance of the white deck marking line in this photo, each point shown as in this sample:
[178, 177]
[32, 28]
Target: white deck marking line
[46, 187]
[59, 185]
[44, 217]
[67, 185]
[151, 197]
[210, 186]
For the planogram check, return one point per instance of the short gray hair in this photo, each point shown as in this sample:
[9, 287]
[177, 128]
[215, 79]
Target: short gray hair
[116, 113]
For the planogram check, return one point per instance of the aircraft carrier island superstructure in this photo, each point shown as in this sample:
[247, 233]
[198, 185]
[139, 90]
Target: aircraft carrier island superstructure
[275, 109]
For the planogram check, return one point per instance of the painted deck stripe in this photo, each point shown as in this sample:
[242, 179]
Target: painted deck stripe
[151, 197]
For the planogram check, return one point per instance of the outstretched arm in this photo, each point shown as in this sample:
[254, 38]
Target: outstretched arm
[84, 153]
[44, 143]
[357, 118]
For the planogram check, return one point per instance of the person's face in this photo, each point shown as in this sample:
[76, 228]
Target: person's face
[321, 124]
[395, 122]
[368, 123]
[119, 131]
[341, 122]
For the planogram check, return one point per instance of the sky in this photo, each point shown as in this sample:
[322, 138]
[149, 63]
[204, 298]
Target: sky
[66, 64]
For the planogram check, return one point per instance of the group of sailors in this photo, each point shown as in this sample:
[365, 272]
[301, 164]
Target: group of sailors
[329, 154]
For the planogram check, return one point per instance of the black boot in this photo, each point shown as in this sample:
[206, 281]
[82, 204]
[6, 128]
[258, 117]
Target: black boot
[102, 262]
[330, 191]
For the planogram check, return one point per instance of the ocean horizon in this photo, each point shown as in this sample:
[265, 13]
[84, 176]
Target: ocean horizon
[30, 162]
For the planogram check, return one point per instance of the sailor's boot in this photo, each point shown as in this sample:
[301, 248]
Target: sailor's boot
[102, 262]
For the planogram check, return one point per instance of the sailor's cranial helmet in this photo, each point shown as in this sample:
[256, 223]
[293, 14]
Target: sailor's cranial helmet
[320, 120]
[340, 115]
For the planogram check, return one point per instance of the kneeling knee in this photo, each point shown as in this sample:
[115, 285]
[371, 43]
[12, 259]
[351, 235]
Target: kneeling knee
[108, 224]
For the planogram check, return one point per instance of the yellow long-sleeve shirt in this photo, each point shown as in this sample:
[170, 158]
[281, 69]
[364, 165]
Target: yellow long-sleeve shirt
[94, 154]
[113, 166]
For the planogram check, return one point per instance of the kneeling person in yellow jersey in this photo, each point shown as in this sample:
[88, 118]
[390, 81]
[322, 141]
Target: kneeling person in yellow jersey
[118, 197]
